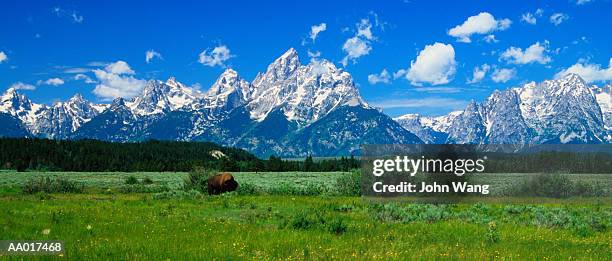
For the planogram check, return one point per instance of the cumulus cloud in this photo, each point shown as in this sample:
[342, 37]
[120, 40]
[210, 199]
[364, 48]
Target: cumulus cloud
[151, 54]
[119, 67]
[382, 77]
[490, 39]
[435, 64]
[483, 23]
[215, 57]
[83, 77]
[316, 29]
[399, 74]
[534, 53]
[503, 75]
[23, 86]
[354, 48]
[479, 73]
[116, 80]
[3, 57]
[360, 44]
[558, 18]
[589, 72]
[52, 81]
[532, 18]
[529, 18]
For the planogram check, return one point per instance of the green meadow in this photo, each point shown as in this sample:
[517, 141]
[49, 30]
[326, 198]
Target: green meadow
[292, 215]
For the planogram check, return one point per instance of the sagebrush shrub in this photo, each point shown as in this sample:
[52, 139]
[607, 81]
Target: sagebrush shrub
[48, 185]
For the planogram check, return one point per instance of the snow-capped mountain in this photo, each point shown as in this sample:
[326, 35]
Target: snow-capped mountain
[228, 92]
[304, 93]
[289, 110]
[565, 110]
[295, 109]
[63, 118]
[603, 96]
[19, 106]
[432, 130]
[162, 97]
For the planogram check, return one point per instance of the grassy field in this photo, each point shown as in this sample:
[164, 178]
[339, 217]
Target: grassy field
[108, 224]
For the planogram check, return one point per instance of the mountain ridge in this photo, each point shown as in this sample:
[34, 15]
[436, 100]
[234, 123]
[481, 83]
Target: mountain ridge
[265, 116]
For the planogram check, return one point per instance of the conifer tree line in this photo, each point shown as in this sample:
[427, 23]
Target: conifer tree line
[23, 154]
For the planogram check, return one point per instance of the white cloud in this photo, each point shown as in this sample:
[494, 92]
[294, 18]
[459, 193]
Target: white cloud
[150, 54]
[582, 2]
[364, 29]
[116, 80]
[83, 77]
[529, 18]
[52, 81]
[314, 54]
[217, 57]
[355, 47]
[589, 72]
[73, 15]
[399, 73]
[483, 23]
[503, 75]
[490, 39]
[534, 53]
[435, 64]
[420, 103]
[558, 18]
[479, 73]
[316, 29]
[360, 44]
[532, 18]
[76, 70]
[119, 67]
[23, 86]
[382, 77]
[77, 18]
[3, 57]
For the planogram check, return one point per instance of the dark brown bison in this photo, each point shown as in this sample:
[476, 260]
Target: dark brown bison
[221, 183]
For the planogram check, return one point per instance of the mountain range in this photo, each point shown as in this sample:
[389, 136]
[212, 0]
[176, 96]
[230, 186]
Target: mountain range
[290, 110]
[566, 110]
[295, 110]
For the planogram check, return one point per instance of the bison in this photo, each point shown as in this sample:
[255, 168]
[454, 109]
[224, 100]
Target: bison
[221, 183]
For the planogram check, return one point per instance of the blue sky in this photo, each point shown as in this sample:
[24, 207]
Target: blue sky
[438, 55]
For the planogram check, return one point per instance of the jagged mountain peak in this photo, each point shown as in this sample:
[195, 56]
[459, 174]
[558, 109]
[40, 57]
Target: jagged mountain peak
[118, 102]
[304, 93]
[282, 68]
[228, 92]
[18, 105]
[77, 98]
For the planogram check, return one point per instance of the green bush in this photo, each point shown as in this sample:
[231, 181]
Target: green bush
[248, 189]
[547, 185]
[349, 184]
[337, 226]
[557, 185]
[198, 179]
[48, 185]
[131, 180]
[147, 181]
[307, 219]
